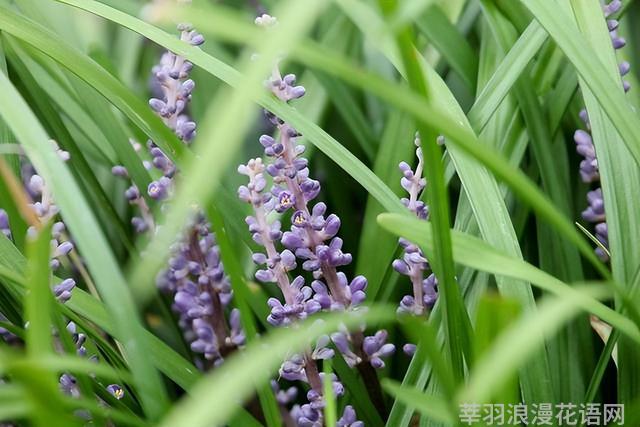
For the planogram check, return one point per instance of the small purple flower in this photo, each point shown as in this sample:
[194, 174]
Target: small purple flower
[78, 339]
[349, 419]
[69, 385]
[284, 397]
[159, 190]
[116, 391]
[307, 416]
[584, 147]
[376, 348]
[293, 369]
[120, 171]
[341, 341]
[62, 291]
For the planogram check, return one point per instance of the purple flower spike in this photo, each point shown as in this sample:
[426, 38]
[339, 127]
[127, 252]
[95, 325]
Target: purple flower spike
[413, 263]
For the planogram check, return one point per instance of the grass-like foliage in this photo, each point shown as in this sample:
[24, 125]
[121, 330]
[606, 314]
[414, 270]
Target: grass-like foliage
[319, 213]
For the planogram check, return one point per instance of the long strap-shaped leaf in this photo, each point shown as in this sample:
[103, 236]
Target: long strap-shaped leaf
[620, 178]
[475, 253]
[590, 67]
[93, 245]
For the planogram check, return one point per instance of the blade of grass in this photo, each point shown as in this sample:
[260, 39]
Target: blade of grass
[514, 347]
[513, 64]
[597, 77]
[445, 37]
[429, 406]
[39, 300]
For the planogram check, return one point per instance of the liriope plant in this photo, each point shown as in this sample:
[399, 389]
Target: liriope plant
[407, 181]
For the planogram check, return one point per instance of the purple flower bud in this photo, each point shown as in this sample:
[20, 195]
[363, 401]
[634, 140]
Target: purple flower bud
[132, 193]
[349, 419]
[62, 291]
[376, 348]
[116, 391]
[120, 171]
[159, 190]
[409, 349]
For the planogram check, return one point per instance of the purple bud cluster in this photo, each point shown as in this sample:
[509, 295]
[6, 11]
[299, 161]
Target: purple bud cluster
[194, 275]
[589, 172]
[413, 262]
[201, 294]
[173, 90]
[311, 241]
[44, 209]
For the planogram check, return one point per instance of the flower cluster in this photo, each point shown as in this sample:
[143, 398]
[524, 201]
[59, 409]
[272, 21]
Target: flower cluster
[44, 210]
[194, 276]
[201, 293]
[413, 263]
[310, 241]
[589, 172]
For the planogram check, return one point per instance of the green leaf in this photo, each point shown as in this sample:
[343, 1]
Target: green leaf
[430, 406]
[473, 252]
[596, 76]
[496, 314]
[455, 49]
[515, 347]
[513, 64]
[38, 302]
